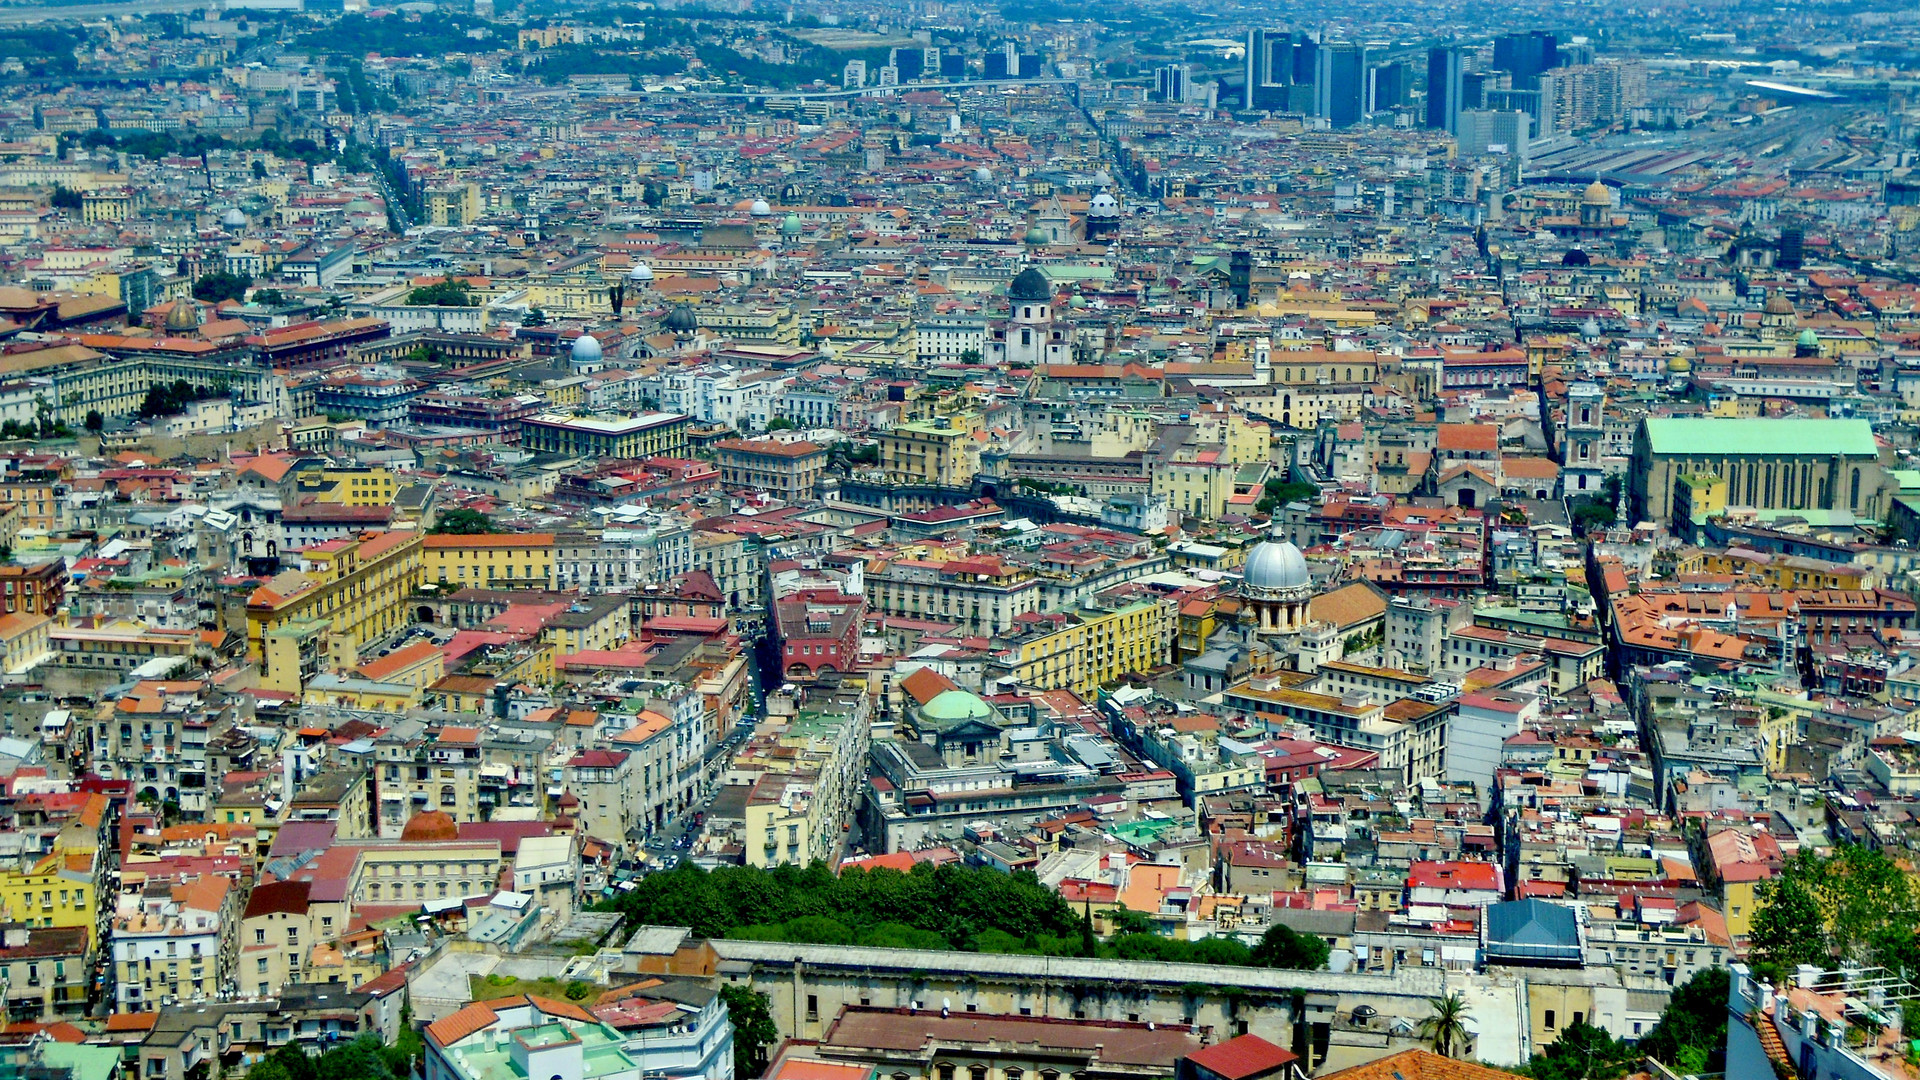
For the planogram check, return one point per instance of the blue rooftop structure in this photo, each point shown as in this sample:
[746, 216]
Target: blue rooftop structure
[1530, 932]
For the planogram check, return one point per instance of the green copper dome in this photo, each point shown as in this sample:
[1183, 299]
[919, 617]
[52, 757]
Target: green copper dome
[950, 707]
[1808, 337]
[792, 226]
[1036, 236]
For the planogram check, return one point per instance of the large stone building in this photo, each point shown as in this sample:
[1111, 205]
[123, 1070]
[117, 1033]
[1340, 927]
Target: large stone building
[1792, 464]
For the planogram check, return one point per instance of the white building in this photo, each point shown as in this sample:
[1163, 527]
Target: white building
[1029, 337]
[1483, 722]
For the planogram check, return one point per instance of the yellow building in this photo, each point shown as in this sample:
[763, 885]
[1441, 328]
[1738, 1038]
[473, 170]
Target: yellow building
[940, 452]
[1697, 497]
[359, 588]
[648, 435]
[1085, 650]
[370, 486]
[783, 821]
[491, 560]
[1239, 439]
[107, 204]
[597, 623]
[25, 641]
[1199, 487]
[454, 204]
[60, 888]
[347, 692]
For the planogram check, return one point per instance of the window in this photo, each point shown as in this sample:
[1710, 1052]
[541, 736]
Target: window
[1549, 1019]
[943, 1070]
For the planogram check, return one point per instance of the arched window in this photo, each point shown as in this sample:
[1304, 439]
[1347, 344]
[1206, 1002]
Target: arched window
[1853, 501]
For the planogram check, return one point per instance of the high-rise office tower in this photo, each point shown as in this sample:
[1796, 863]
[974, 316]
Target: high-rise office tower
[1339, 83]
[1526, 56]
[1473, 89]
[1387, 86]
[1171, 82]
[1446, 75]
[909, 62]
[854, 75]
[1268, 69]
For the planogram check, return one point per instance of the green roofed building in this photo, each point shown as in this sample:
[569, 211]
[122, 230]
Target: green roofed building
[1791, 464]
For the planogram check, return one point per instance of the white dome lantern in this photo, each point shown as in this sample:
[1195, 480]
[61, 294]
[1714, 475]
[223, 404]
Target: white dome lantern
[1277, 586]
[1276, 565]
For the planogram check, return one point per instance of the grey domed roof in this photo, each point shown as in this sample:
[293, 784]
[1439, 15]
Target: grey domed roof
[759, 208]
[1276, 564]
[1104, 205]
[681, 319]
[234, 218]
[1031, 284]
[640, 272]
[586, 349]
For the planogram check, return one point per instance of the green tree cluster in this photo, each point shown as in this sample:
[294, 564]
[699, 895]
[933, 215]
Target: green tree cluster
[1692, 1033]
[365, 1058]
[449, 293]
[165, 400]
[463, 523]
[948, 907]
[64, 198]
[1856, 904]
[753, 1027]
[1279, 493]
[1585, 1052]
[220, 285]
[957, 903]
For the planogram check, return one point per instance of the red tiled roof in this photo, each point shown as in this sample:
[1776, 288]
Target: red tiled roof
[1247, 1055]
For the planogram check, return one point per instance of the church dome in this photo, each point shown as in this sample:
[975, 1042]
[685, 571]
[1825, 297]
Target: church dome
[1037, 236]
[641, 272]
[184, 315]
[430, 825]
[1276, 564]
[1031, 285]
[952, 707]
[1679, 365]
[1778, 305]
[234, 218]
[1102, 179]
[760, 208]
[1076, 302]
[1808, 339]
[1104, 205]
[586, 349]
[1597, 194]
[681, 319]
[792, 226]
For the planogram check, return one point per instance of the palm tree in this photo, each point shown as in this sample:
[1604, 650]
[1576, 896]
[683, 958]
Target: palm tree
[1446, 1029]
